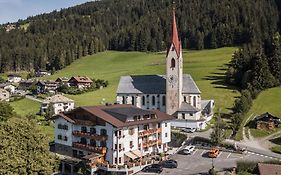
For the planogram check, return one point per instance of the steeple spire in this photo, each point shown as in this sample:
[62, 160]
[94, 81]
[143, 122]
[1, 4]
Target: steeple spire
[174, 37]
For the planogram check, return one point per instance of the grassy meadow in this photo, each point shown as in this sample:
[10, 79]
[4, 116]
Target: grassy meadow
[25, 106]
[207, 68]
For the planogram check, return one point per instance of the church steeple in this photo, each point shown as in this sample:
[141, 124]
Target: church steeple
[174, 35]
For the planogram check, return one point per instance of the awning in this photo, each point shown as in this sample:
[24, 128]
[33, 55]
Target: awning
[131, 155]
[137, 153]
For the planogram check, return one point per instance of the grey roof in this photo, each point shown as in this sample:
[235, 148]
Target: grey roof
[153, 84]
[186, 107]
[123, 113]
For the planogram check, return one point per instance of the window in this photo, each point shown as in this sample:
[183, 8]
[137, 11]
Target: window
[131, 131]
[123, 100]
[145, 127]
[93, 143]
[184, 98]
[84, 129]
[131, 144]
[166, 124]
[166, 134]
[115, 160]
[159, 125]
[116, 133]
[120, 160]
[164, 100]
[59, 126]
[93, 130]
[143, 100]
[153, 100]
[194, 101]
[173, 63]
[83, 141]
[65, 138]
[183, 115]
[120, 147]
[103, 132]
[133, 100]
[115, 146]
[191, 114]
[103, 143]
[60, 137]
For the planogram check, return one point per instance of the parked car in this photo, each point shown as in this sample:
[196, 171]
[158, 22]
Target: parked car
[188, 149]
[189, 130]
[154, 168]
[213, 153]
[169, 164]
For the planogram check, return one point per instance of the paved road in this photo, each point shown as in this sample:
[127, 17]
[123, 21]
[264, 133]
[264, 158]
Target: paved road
[199, 163]
[32, 98]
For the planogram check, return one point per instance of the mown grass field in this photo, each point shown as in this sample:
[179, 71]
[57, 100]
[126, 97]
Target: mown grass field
[207, 68]
[25, 106]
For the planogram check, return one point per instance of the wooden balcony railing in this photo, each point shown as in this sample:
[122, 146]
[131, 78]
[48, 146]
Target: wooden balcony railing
[100, 150]
[149, 132]
[90, 135]
[150, 143]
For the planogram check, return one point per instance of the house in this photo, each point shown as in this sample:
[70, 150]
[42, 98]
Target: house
[25, 84]
[42, 72]
[9, 87]
[46, 86]
[116, 138]
[10, 27]
[269, 169]
[4, 95]
[80, 82]
[267, 121]
[59, 104]
[174, 93]
[14, 78]
[62, 80]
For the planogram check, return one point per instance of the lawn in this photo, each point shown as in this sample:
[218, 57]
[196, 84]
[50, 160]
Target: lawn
[207, 68]
[25, 106]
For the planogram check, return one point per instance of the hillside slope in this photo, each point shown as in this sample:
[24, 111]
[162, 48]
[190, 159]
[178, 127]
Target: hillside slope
[207, 68]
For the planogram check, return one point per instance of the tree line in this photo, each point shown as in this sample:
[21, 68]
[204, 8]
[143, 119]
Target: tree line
[53, 41]
[253, 68]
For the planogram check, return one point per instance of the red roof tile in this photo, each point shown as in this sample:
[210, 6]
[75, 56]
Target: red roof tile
[269, 169]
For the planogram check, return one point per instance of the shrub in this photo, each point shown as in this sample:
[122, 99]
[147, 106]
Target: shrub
[244, 166]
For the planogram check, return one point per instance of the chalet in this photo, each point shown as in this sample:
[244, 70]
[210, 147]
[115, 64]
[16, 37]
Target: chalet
[80, 82]
[62, 80]
[115, 138]
[9, 87]
[42, 72]
[14, 78]
[46, 86]
[267, 121]
[269, 169]
[59, 103]
[4, 95]
[25, 84]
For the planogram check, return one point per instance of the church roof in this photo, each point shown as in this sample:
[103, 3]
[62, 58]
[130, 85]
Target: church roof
[186, 107]
[153, 84]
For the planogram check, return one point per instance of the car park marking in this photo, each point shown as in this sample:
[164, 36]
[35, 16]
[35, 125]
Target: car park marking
[220, 154]
[194, 152]
[203, 152]
[228, 155]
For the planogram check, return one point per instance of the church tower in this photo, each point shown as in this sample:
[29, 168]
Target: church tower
[174, 66]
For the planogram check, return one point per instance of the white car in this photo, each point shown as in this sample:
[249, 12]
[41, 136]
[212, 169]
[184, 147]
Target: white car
[190, 130]
[188, 149]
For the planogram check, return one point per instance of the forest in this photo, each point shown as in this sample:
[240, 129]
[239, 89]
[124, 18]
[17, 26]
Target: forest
[54, 40]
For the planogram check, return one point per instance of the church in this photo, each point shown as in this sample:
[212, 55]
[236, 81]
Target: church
[174, 93]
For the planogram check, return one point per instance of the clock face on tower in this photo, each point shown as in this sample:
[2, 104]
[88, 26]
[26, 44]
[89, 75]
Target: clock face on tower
[172, 79]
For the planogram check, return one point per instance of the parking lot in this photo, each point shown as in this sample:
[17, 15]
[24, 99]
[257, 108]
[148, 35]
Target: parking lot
[199, 163]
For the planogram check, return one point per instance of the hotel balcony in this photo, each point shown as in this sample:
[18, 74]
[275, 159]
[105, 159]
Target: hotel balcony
[150, 143]
[149, 132]
[87, 147]
[90, 135]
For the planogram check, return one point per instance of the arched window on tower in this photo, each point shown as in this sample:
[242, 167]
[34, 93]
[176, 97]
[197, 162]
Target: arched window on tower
[153, 100]
[133, 100]
[173, 63]
[143, 100]
[194, 101]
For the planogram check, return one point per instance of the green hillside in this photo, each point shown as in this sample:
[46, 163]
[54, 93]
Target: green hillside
[267, 101]
[25, 106]
[207, 68]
